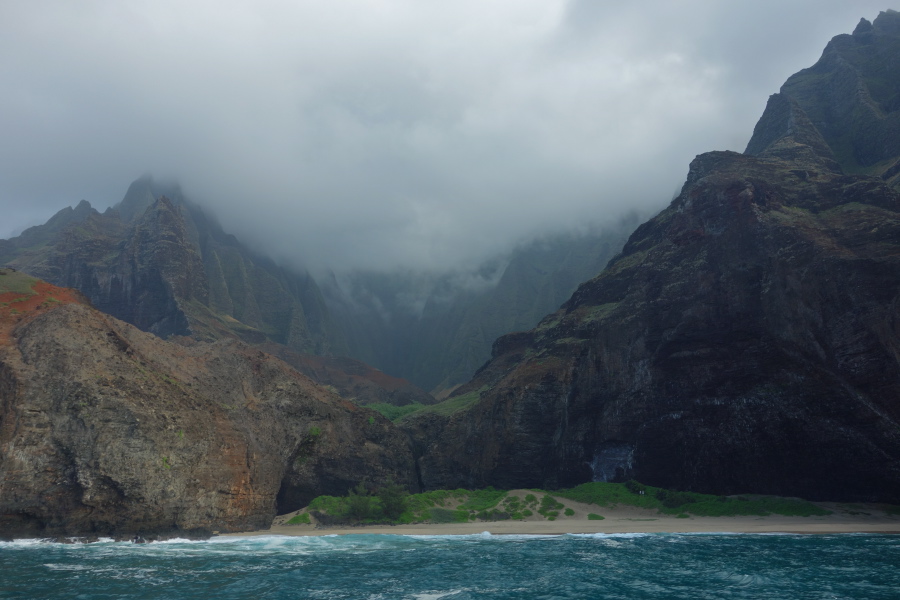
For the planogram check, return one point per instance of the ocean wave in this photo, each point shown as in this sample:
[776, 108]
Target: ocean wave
[435, 595]
[70, 541]
[450, 567]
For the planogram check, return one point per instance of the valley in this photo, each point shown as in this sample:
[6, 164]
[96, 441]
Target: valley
[159, 377]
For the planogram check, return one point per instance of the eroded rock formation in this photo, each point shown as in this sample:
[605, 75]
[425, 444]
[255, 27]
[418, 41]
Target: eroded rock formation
[105, 429]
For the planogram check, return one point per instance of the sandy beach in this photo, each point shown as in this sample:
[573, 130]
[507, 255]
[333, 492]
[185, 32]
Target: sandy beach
[854, 518]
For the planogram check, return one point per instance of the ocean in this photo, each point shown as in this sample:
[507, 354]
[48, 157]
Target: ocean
[627, 566]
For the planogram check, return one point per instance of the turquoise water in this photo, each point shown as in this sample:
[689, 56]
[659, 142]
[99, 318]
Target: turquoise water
[634, 566]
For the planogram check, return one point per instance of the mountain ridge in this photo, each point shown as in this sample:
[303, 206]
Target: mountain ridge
[164, 265]
[845, 107]
[746, 339]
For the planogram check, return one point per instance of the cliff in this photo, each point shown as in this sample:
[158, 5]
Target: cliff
[747, 338]
[162, 264]
[108, 430]
[845, 107]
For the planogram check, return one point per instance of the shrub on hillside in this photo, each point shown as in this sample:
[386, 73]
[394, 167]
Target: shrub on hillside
[393, 501]
[359, 503]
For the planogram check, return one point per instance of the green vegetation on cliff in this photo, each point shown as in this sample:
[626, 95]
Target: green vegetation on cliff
[446, 408]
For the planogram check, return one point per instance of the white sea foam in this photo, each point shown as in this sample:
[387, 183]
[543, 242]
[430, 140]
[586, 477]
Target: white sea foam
[612, 536]
[484, 535]
[63, 567]
[26, 543]
[435, 595]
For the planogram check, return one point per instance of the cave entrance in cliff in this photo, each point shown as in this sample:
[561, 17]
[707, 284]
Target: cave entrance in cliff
[291, 497]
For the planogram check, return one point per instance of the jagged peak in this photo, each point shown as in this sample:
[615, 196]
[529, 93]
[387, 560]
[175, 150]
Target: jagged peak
[137, 200]
[842, 112]
[164, 215]
[863, 27]
[143, 193]
[785, 131]
[69, 215]
[887, 22]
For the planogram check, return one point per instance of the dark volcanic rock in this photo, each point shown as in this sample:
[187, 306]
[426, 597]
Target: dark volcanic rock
[105, 429]
[747, 339]
[846, 107]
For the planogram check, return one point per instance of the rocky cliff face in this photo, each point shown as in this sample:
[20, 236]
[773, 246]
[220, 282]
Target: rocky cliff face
[162, 264]
[846, 107]
[351, 379]
[105, 429]
[747, 339]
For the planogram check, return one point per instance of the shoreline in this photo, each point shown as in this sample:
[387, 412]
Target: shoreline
[619, 520]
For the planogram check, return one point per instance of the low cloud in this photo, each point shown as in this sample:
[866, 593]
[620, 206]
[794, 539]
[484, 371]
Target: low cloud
[361, 134]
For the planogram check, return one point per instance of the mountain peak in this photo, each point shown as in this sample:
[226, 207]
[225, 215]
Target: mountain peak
[138, 199]
[143, 193]
[844, 111]
[785, 131]
[887, 22]
[864, 26]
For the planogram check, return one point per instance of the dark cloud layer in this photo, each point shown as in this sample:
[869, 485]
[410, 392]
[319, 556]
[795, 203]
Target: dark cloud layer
[380, 133]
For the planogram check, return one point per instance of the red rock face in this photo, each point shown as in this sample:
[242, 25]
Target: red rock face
[105, 429]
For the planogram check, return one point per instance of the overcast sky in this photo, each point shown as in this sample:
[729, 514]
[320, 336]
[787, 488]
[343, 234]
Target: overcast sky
[375, 133]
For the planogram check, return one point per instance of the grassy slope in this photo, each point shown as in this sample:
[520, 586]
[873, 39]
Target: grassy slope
[16, 282]
[445, 408]
[460, 506]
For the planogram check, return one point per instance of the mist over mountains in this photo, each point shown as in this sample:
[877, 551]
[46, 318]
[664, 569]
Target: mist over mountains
[163, 263]
[437, 328]
[746, 337]
[389, 136]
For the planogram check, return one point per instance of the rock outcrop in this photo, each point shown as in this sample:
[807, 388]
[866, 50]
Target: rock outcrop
[108, 430]
[747, 339]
